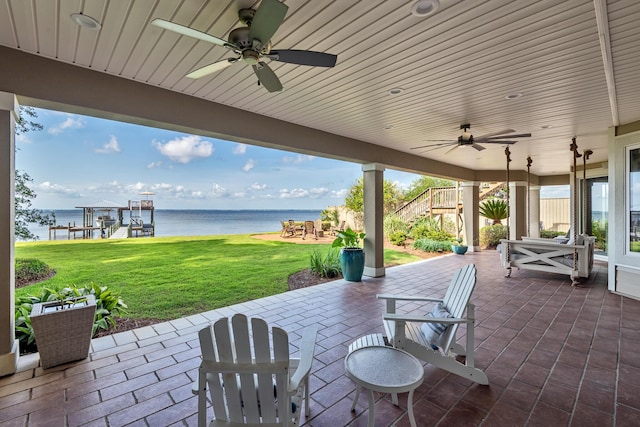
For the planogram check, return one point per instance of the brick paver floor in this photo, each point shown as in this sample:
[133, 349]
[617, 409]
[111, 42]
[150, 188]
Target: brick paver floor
[555, 355]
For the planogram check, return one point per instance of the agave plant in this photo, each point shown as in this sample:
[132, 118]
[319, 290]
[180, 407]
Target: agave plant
[494, 209]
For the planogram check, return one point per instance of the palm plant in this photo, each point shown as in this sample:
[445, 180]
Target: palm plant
[494, 210]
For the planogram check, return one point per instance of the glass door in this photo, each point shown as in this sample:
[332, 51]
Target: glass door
[597, 212]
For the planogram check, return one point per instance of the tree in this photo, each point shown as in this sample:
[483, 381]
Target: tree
[421, 184]
[24, 195]
[355, 198]
[494, 209]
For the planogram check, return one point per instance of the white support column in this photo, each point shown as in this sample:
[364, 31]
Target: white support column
[534, 210]
[517, 210]
[9, 351]
[470, 215]
[373, 178]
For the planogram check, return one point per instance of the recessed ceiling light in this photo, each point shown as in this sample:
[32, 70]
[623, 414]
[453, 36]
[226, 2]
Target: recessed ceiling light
[513, 95]
[396, 91]
[546, 126]
[424, 8]
[86, 21]
[387, 127]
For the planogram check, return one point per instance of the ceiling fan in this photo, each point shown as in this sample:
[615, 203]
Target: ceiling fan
[466, 138]
[252, 43]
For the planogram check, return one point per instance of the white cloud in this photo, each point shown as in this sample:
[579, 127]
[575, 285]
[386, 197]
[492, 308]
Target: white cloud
[339, 194]
[72, 122]
[23, 139]
[185, 149]
[257, 187]
[249, 165]
[166, 190]
[554, 191]
[218, 191]
[294, 193]
[154, 165]
[107, 187]
[300, 158]
[317, 193]
[110, 147]
[240, 149]
[137, 187]
[48, 187]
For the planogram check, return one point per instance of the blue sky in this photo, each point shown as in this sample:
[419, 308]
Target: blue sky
[77, 160]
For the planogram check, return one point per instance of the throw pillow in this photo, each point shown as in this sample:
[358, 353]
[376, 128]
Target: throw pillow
[433, 331]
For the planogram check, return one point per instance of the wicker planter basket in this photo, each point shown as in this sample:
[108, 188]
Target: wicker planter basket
[63, 334]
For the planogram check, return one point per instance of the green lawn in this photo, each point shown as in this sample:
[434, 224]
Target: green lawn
[170, 277]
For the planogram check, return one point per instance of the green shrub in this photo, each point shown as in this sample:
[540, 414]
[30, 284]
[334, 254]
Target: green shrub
[550, 234]
[490, 235]
[600, 230]
[395, 229]
[394, 224]
[31, 270]
[108, 305]
[331, 216]
[398, 238]
[429, 245]
[427, 228]
[326, 265]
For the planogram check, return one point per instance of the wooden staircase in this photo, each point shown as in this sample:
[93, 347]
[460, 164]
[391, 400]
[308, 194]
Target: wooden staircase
[433, 201]
[436, 201]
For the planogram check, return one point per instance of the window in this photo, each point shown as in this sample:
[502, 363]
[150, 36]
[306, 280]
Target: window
[633, 203]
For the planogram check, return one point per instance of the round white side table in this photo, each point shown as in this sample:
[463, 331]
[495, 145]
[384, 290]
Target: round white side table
[385, 370]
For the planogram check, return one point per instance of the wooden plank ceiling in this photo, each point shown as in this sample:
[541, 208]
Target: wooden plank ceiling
[455, 66]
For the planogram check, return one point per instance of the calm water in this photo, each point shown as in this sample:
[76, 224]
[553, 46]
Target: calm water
[196, 222]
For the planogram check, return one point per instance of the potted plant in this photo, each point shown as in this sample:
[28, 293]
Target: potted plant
[63, 328]
[458, 248]
[351, 254]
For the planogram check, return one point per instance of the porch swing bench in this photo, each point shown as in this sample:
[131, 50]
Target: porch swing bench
[549, 255]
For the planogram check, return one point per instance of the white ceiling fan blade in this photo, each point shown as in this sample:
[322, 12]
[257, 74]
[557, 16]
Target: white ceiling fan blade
[186, 31]
[211, 68]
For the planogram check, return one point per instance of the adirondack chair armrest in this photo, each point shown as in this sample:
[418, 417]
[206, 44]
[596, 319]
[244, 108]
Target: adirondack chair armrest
[407, 298]
[307, 349]
[423, 319]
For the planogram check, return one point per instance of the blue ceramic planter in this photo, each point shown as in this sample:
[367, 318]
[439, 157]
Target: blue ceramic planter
[459, 249]
[352, 263]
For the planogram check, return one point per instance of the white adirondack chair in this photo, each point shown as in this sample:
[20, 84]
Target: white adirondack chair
[249, 385]
[405, 332]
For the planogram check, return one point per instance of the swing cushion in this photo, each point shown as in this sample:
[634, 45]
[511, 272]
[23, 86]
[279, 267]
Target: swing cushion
[580, 240]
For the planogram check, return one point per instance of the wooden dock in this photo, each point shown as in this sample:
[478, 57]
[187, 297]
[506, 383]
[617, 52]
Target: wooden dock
[87, 232]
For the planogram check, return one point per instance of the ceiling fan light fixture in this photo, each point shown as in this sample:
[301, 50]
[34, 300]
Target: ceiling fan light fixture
[422, 8]
[250, 57]
[85, 21]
